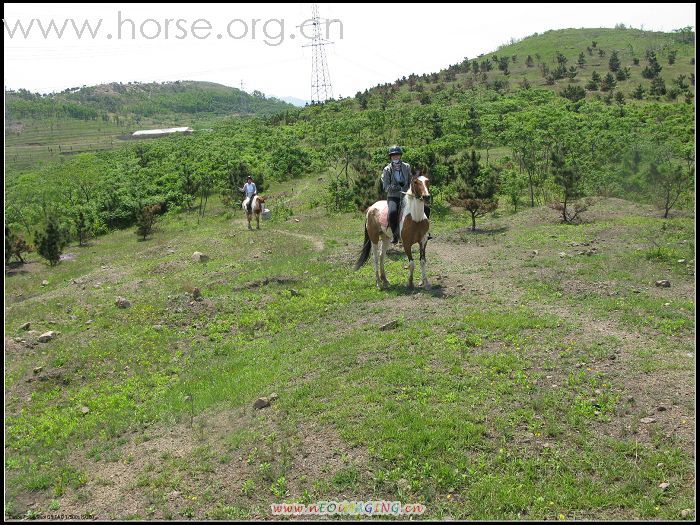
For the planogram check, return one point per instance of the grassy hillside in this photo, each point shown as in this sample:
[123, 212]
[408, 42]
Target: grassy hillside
[45, 128]
[544, 48]
[543, 377]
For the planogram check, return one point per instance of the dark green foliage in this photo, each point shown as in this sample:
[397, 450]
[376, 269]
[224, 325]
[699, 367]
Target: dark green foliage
[672, 57]
[614, 62]
[50, 243]
[654, 68]
[568, 179]
[668, 181]
[622, 74]
[15, 246]
[573, 93]
[288, 162]
[529, 62]
[146, 219]
[581, 59]
[639, 92]
[658, 87]
[140, 100]
[475, 189]
[608, 83]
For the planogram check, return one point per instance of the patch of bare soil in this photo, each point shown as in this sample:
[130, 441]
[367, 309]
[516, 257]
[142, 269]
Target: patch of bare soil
[316, 240]
[178, 471]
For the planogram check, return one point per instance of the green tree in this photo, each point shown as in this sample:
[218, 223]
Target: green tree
[639, 92]
[573, 93]
[581, 59]
[512, 186]
[569, 180]
[658, 87]
[614, 62]
[475, 188]
[654, 68]
[668, 181]
[146, 220]
[15, 246]
[50, 243]
[608, 83]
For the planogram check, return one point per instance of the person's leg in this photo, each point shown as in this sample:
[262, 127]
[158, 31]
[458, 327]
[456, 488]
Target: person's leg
[394, 217]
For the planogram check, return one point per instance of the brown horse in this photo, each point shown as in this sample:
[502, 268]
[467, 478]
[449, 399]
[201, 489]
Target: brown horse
[413, 226]
[256, 208]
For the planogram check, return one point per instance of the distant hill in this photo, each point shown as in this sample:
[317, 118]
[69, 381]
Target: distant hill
[40, 127]
[137, 100]
[295, 101]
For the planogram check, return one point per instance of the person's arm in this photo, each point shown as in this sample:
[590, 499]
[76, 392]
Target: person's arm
[255, 189]
[386, 180]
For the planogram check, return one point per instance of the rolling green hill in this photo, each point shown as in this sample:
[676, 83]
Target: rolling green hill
[43, 128]
[544, 50]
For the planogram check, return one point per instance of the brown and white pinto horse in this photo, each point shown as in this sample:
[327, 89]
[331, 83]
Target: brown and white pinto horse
[413, 228]
[256, 208]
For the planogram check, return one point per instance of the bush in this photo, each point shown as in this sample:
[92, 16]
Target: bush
[15, 246]
[146, 219]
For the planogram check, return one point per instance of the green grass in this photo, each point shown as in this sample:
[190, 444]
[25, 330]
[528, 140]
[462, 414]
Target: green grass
[474, 405]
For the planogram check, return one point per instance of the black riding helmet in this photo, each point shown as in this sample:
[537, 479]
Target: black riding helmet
[395, 150]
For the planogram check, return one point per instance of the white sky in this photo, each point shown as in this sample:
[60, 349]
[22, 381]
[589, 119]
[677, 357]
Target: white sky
[380, 42]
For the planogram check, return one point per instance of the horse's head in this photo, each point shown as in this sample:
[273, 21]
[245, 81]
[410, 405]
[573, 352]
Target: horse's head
[420, 187]
[260, 199]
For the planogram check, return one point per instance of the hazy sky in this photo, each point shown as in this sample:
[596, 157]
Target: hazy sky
[379, 42]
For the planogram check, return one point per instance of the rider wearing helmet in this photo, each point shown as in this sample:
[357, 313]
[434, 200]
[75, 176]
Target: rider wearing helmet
[250, 191]
[396, 178]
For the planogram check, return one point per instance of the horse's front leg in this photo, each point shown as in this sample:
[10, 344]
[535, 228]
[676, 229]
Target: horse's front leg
[257, 219]
[249, 217]
[424, 281]
[382, 251]
[411, 264]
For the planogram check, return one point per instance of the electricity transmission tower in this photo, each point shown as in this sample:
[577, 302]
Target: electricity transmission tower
[321, 87]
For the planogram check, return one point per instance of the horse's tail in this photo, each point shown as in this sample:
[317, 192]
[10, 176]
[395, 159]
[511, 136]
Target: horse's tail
[365, 250]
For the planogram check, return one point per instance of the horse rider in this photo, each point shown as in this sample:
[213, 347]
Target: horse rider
[396, 178]
[250, 191]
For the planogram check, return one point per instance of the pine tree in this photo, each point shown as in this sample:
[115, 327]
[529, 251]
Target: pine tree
[608, 83]
[569, 180]
[658, 87]
[614, 62]
[475, 188]
[639, 92]
[50, 243]
[146, 220]
[581, 59]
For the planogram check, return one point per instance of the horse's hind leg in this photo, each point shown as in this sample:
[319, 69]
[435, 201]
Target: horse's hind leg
[257, 219]
[375, 253]
[424, 281]
[382, 251]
